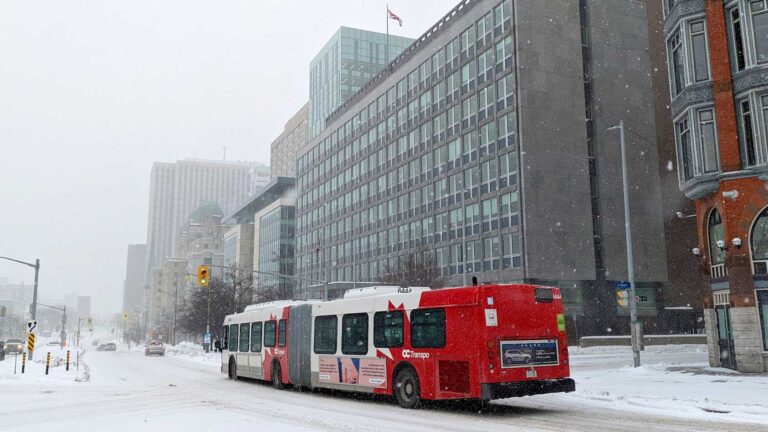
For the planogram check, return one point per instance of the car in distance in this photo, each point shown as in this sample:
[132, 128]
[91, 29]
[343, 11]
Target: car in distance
[110, 346]
[2, 350]
[14, 346]
[517, 356]
[155, 348]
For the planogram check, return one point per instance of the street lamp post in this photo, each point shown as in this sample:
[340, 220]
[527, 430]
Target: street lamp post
[33, 307]
[634, 324]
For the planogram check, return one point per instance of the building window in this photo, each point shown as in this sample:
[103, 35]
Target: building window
[759, 13]
[512, 250]
[699, 50]
[736, 40]
[758, 241]
[748, 150]
[491, 254]
[762, 304]
[686, 152]
[708, 139]
[715, 230]
[676, 63]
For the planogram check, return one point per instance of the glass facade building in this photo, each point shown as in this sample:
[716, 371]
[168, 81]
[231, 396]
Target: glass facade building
[349, 59]
[276, 248]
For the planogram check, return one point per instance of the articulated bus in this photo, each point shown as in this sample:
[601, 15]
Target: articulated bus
[481, 342]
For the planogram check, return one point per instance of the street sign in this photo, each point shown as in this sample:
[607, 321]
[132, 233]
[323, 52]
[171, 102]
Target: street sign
[207, 338]
[31, 342]
[622, 285]
[32, 326]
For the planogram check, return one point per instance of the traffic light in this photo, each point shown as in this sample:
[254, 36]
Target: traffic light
[125, 315]
[622, 297]
[202, 275]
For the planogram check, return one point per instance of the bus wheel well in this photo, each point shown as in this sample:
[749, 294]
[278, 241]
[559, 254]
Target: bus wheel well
[400, 366]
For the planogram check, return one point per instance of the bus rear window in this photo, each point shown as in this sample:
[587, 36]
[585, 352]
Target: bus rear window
[543, 295]
[428, 328]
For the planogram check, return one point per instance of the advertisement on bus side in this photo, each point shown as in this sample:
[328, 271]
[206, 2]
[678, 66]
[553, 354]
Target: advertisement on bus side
[528, 353]
[366, 372]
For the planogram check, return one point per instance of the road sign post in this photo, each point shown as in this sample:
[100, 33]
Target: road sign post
[47, 362]
[23, 361]
[30, 343]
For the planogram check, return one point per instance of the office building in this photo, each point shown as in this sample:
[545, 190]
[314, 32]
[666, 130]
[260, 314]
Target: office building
[718, 58]
[283, 149]
[346, 62]
[487, 146]
[176, 190]
[133, 285]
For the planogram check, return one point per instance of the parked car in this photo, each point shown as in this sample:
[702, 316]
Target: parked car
[109, 346]
[14, 346]
[155, 348]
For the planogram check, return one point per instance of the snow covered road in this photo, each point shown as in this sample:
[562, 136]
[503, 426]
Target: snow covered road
[130, 392]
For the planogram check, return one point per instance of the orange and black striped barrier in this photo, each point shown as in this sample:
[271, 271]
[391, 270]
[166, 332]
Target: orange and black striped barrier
[67, 360]
[47, 362]
[23, 361]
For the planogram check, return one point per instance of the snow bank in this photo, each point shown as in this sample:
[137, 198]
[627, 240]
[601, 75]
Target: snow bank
[673, 380]
[193, 351]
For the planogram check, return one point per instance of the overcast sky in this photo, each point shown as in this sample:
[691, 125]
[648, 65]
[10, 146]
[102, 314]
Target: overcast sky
[93, 92]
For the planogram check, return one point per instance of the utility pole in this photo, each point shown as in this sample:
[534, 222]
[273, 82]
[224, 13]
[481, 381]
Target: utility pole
[633, 323]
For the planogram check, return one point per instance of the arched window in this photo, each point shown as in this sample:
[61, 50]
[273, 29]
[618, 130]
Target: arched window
[758, 241]
[715, 230]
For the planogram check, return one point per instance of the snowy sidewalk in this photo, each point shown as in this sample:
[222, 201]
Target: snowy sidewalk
[675, 380]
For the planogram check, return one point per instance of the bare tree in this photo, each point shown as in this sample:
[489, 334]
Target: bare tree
[416, 268]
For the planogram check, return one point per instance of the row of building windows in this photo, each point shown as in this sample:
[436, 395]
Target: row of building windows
[493, 253]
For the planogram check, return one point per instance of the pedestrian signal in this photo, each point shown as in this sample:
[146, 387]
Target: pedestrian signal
[202, 275]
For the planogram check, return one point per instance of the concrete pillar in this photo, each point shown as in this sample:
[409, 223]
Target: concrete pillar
[747, 340]
[710, 326]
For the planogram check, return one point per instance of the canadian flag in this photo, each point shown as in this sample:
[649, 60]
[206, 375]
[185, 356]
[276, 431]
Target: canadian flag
[395, 17]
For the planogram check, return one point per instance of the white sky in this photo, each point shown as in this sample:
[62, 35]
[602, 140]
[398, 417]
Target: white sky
[93, 92]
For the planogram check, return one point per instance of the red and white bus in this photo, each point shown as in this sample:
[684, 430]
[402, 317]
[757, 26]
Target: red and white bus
[482, 342]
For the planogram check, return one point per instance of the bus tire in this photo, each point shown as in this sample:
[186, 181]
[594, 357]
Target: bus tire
[407, 390]
[277, 381]
[232, 369]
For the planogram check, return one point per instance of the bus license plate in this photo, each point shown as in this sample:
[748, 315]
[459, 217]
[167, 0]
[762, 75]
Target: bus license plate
[530, 373]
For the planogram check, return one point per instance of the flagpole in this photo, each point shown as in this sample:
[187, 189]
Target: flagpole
[387, 56]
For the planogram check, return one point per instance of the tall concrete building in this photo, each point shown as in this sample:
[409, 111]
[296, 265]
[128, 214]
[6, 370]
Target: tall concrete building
[718, 64]
[485, 142]
[283, 149]
[346, 62]
[176, 190]
[133, 286]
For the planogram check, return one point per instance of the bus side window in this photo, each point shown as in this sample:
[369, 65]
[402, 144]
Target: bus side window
[245, 335]
[388, 329]
[281, 333]
[256, 337]
[269, 333]
[325, 334]
[233, 338]
[428, 328]
[354, 334]
[224, 338]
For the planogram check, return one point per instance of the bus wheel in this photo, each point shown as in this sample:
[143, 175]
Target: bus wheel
[277, 382]
[407, 391]
[232, 369]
